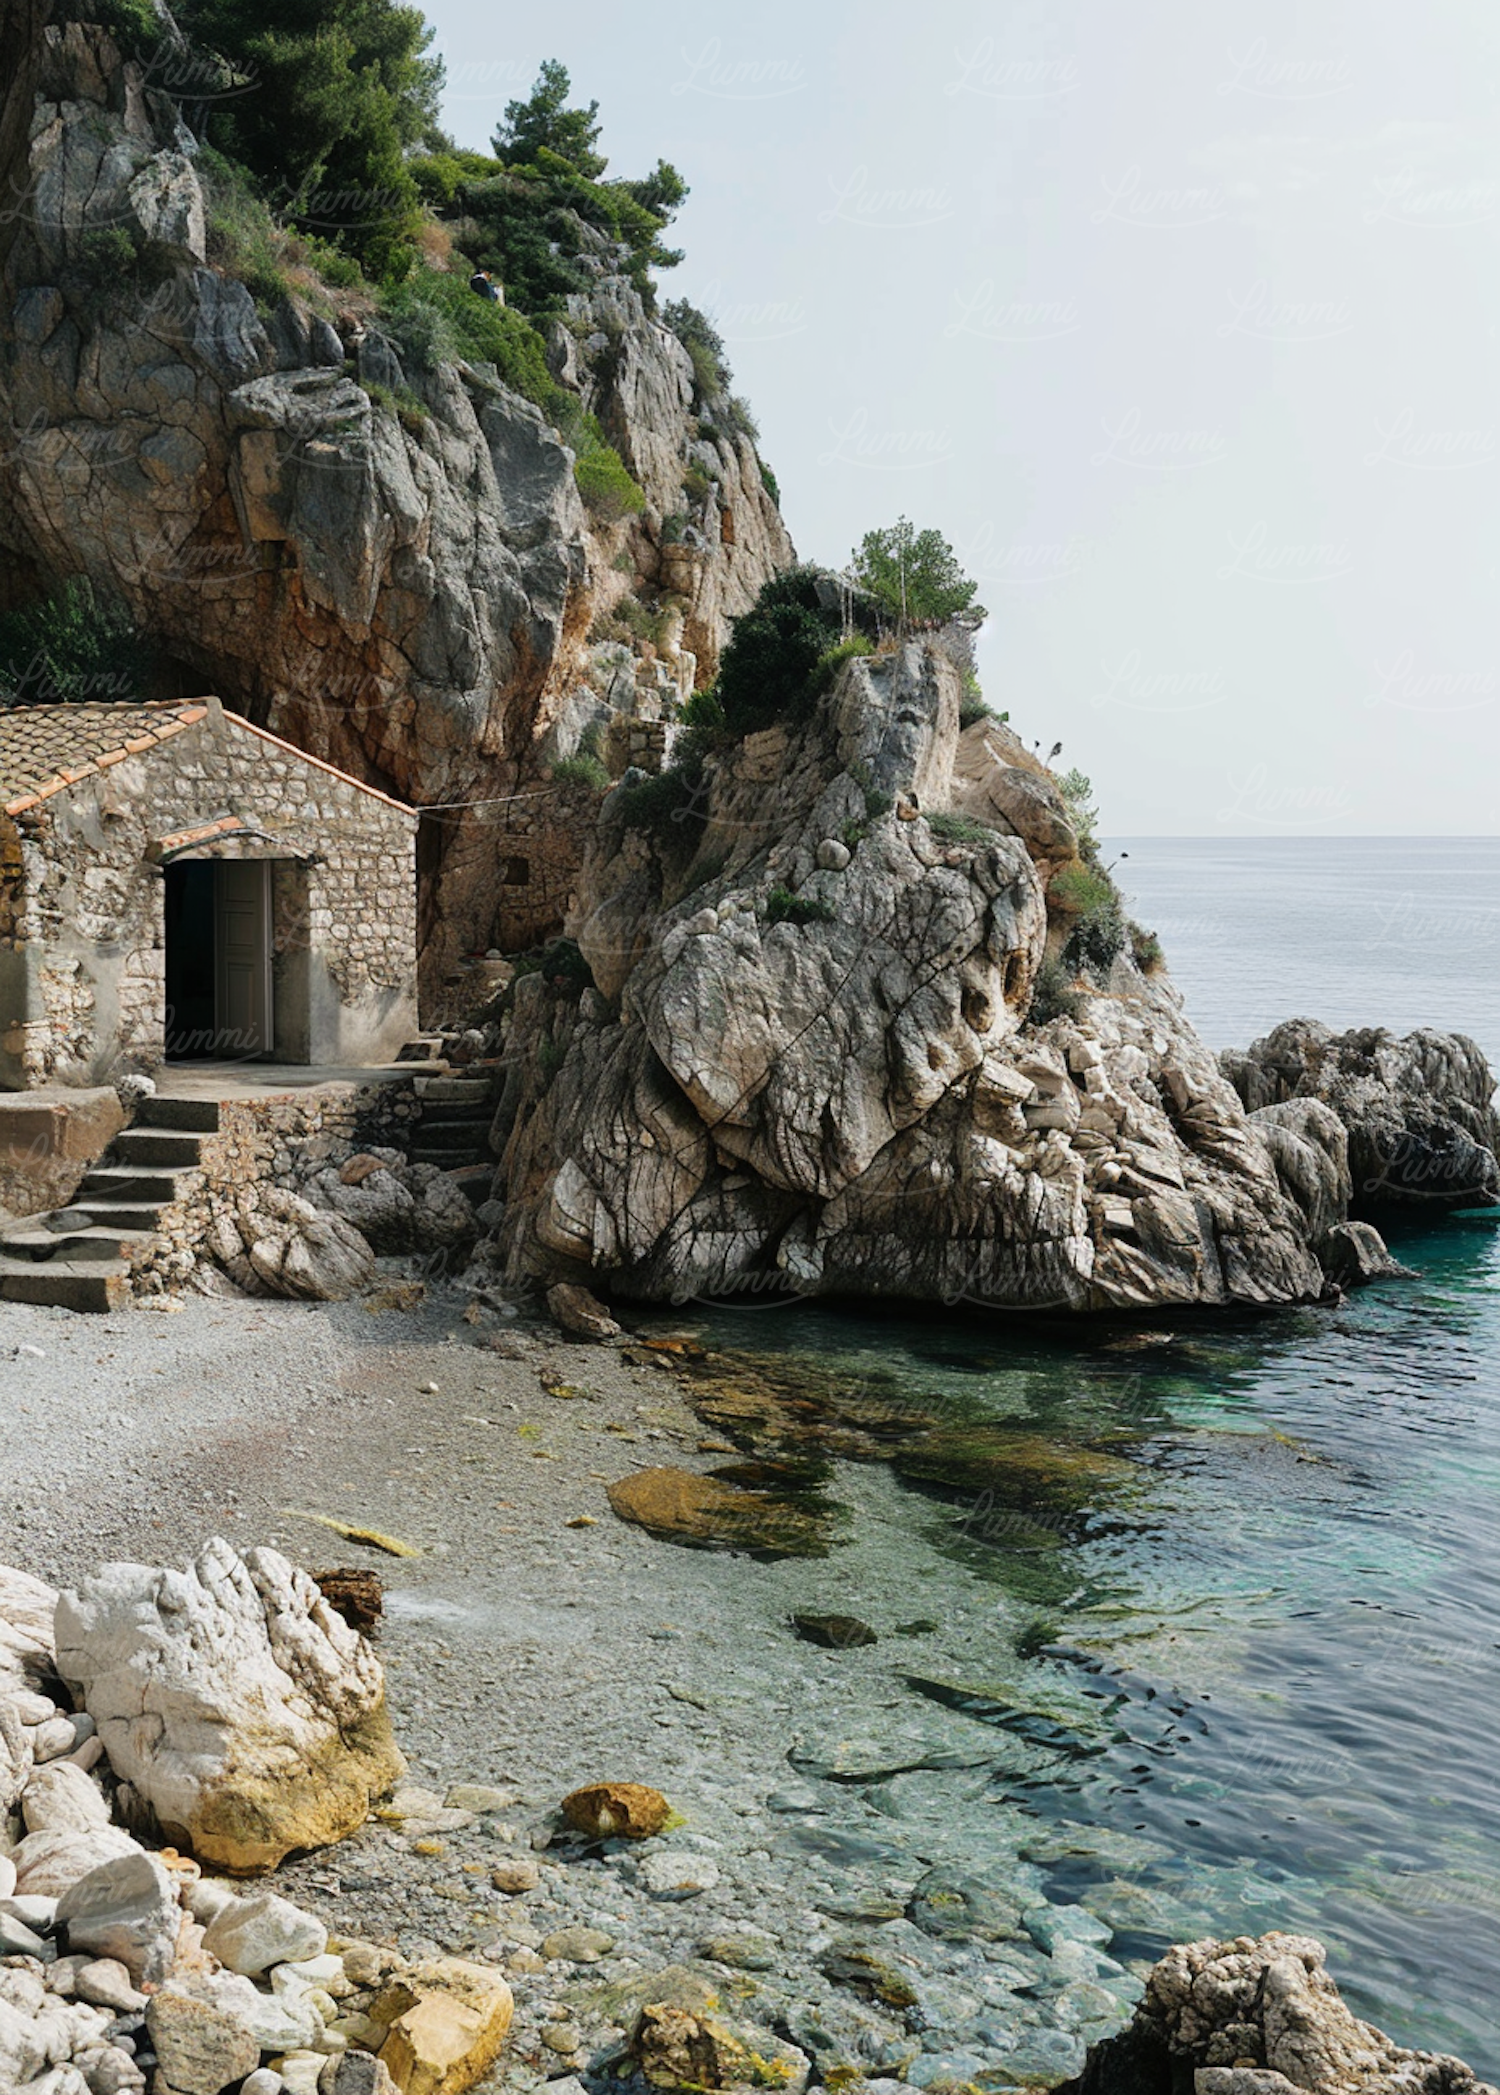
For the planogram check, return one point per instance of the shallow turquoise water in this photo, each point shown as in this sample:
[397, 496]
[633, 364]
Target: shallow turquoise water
[1288, 1626]
[1287, 1629]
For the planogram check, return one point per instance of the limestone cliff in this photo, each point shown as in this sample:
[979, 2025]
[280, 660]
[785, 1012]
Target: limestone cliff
[816, 1058]
[386, 563]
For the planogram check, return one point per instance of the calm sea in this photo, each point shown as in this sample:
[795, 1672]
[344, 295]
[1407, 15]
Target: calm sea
[1281, 1646]
[1356, 931]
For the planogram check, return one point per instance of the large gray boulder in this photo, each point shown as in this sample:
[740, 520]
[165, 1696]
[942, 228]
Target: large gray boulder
[276, 1243]
[1418, 1111]
[818, 1070]
[1260, 2017]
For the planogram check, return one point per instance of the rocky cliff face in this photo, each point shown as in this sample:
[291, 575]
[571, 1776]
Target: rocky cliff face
[409, 595]
[814, 1060]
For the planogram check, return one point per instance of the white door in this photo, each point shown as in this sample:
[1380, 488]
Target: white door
[242, 946]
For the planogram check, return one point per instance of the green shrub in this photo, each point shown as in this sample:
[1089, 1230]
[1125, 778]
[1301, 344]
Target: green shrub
[705, 368]
[768, 663]
[584, 769]
[1078, 889]
[831, 661]
[75, 645]
[960, 829]
[603, 482]
[769, 482]
[783, 907]
[1145, 948]
[671, 809]
[705, 709]
[854, 833]
[696, 484]
[408, 407]
[1099, 932]
[1053, 994]
[106, 251]
[241, 236]
[433, 317]
[704, 344]
[674, 528]
[1078, 798]
[113, 263]
[134, 24]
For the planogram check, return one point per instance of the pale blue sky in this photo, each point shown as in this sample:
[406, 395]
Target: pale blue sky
[1179, 318]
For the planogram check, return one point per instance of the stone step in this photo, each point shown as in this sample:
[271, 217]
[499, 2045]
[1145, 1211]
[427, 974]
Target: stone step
[174, 1146]
[130, 1218]
[96, 1287]
[132, 1182]
[452, 1134]
[84, 1246]
[200, 1116]
[450, 1160]
[444, 1114]
[460, 1090]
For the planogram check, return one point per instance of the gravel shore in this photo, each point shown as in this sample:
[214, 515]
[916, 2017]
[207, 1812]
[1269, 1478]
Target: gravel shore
[850, 1868]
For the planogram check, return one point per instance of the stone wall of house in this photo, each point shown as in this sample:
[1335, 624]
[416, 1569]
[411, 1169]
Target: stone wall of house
[534, 847]
[266, 1142]
[82, 945]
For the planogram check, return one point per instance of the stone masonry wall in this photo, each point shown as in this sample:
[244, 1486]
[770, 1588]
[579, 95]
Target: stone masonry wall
[260, 1142]
[81, 928]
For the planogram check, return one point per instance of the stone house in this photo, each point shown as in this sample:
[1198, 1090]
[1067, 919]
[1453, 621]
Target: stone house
[176, 883]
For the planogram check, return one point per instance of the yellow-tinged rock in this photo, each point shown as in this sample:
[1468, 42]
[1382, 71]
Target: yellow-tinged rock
[629, 1809]
[452, 2032]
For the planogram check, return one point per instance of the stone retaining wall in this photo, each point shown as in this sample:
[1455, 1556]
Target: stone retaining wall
[267, 1142]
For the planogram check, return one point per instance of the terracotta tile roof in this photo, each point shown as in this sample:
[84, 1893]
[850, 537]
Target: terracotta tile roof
[46, 749]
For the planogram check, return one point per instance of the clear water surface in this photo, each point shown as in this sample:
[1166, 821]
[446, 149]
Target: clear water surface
[1289, 1628]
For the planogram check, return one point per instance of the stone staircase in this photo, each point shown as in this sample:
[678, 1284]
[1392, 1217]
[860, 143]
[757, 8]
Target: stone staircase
[78, 1257]
[453, 1130]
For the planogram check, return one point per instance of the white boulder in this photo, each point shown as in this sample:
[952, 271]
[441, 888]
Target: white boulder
[240, 1712]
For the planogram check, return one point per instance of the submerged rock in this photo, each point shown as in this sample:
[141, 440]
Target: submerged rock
[685, 2052]
[1014, 1467]
[606, 1810]
[679, 1505]
[834, 1632]
[1260, 2017]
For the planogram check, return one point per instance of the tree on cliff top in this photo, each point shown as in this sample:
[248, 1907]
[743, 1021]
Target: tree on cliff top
[915, 576]
[519, 212]
[332, 95]
[544, 120]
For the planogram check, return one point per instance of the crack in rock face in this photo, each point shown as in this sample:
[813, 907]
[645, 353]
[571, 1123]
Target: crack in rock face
[822, 1067]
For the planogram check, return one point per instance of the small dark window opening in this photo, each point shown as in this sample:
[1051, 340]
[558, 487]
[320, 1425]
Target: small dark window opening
[515, 872]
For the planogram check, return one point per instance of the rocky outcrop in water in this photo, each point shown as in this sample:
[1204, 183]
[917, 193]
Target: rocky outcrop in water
[1258, 2018]
[407, 592]
[1418, 1113]
[814, 1060]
